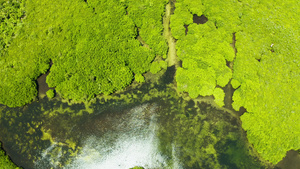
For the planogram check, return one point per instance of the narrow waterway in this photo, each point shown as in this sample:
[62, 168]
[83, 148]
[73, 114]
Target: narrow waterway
[172, 57]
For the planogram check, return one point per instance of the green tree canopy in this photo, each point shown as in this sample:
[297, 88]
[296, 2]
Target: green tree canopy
[204, 49]
[5, 162]
[265, 68]
[92, 46]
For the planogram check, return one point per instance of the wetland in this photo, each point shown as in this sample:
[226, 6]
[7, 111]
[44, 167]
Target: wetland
[154, 84]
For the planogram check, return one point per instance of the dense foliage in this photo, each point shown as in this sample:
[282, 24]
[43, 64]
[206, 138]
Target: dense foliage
[16, 88]
[10, 21]
[92, 45]
[157, 66]
[50, 93]
[5, 162]
[95, 49]
[266, 66]
[205, 48]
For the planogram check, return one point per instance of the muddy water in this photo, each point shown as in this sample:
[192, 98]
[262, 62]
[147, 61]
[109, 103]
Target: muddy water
[291, 161]
[42, 86]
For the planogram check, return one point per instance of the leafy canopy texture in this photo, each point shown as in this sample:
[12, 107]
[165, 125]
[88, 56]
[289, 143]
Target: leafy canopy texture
[266, 67]
[5, 162]
[92, 45]
[50, 93]
[203, 48]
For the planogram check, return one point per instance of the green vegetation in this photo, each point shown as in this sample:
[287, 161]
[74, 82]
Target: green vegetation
[139, 78]
[195, 130]
[147, 16]
[99, 47]
[204, 137]
[50, 93]
[157, 66]
[219, 96]
[11, 15]
[137, 167]
[266, 67]
[203, 51]
[92, 45]
[16, 88]
[235, 84]
[5, 162]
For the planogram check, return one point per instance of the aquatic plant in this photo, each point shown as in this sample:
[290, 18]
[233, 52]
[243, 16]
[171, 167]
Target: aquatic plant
[202, 136]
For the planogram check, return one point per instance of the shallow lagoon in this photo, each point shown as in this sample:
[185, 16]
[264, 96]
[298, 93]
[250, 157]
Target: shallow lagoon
[149, 125]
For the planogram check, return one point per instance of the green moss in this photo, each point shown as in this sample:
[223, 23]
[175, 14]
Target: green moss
[147, 16]
[11, 14]
[196, 81]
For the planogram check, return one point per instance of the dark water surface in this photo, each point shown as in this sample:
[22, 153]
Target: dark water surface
[149, 126]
